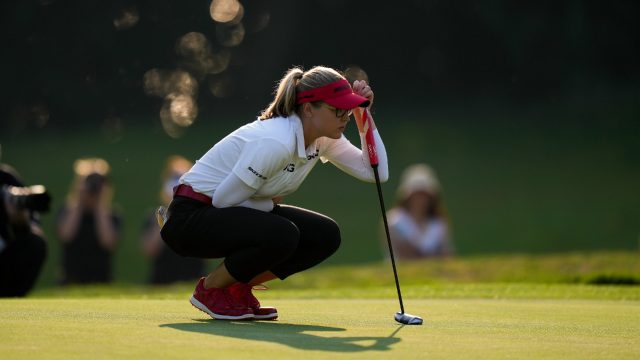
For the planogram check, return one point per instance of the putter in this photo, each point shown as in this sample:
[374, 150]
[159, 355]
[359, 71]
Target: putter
[400, 316]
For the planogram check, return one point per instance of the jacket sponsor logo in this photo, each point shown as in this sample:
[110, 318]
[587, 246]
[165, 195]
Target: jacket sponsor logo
[314, 155]
[256, 173]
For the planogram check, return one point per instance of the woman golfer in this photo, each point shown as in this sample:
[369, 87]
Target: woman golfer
[228, 204]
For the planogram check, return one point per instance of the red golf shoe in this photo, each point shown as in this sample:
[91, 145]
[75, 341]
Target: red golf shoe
[243, 295]
[219, 303]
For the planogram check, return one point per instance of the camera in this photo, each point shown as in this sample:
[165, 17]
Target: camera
[33, 198]
[94, 183]
[15, 199]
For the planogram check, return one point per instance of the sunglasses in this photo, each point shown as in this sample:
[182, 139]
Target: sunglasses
[339, 112]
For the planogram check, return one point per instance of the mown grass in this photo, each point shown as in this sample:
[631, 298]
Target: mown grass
[409, 292]
[485, 307]
[600, 275]
[578, 267]
[323, 328]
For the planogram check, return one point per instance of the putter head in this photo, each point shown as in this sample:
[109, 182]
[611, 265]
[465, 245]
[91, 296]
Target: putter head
[408, 319]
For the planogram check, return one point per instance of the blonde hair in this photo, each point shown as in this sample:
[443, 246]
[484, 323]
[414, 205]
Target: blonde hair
[84, 167]
[87, 166]
[295, 81]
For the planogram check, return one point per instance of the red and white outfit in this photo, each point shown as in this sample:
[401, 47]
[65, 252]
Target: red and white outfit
[267, 159]
[224, 208]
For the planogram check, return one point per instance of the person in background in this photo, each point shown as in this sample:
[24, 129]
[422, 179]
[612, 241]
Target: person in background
[418, 224]
[23, 246]
[87, 226]
[168, 266]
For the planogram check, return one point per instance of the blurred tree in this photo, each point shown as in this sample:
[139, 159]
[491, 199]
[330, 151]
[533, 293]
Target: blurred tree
[84, 60]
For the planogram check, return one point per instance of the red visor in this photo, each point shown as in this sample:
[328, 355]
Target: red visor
[337, 94]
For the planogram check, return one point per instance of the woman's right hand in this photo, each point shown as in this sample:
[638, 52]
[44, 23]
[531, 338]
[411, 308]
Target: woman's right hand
[361, 87]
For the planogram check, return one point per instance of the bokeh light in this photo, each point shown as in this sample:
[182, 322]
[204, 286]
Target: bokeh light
[161, 83]
[221, 87]
[193, 44]
[181, 82]
[218, 63]
[178, 88]
[182, 109]
[177, 113]
[168, 125]
[224, 11]
[127, 19]
[153, 82]
[230, 35]
[197, 56]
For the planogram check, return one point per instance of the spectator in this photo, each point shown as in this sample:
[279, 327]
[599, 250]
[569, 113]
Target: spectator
[168, 266]
[418, 224]
[23, 248]
[87, 226]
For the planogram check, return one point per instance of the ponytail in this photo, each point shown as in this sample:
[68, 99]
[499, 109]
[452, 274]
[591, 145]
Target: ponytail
[295, 80]
[284, 102]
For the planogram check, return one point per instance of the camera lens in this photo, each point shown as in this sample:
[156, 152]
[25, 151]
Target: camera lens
[94, 183]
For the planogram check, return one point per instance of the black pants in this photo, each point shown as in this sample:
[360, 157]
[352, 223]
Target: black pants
[20, 264]
[284, 241]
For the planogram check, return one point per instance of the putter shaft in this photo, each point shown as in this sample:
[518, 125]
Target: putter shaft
[386, 229]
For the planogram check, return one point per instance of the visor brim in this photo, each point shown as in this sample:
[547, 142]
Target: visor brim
[348, 101]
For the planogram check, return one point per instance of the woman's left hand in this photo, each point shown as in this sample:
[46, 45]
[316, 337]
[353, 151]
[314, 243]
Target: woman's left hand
[361, 88]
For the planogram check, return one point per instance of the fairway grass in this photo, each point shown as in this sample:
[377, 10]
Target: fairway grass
[471, 327]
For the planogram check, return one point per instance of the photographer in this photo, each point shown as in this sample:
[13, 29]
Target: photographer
[87, 226]
[23, 248]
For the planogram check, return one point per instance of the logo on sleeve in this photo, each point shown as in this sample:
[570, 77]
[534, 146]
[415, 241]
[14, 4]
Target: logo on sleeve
[256, 173]
[290, 168]
[314, 155]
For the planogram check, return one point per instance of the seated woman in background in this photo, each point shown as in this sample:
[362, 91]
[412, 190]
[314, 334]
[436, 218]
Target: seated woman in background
[167, 266]
[418, 224]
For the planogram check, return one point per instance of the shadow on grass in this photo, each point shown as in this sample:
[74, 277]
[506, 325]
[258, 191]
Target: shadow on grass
[293, 335]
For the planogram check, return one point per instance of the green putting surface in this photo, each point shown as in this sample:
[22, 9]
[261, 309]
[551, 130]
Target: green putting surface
[321, 328]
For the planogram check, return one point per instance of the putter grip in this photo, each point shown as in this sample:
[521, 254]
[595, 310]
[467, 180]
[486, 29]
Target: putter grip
[371, 143]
